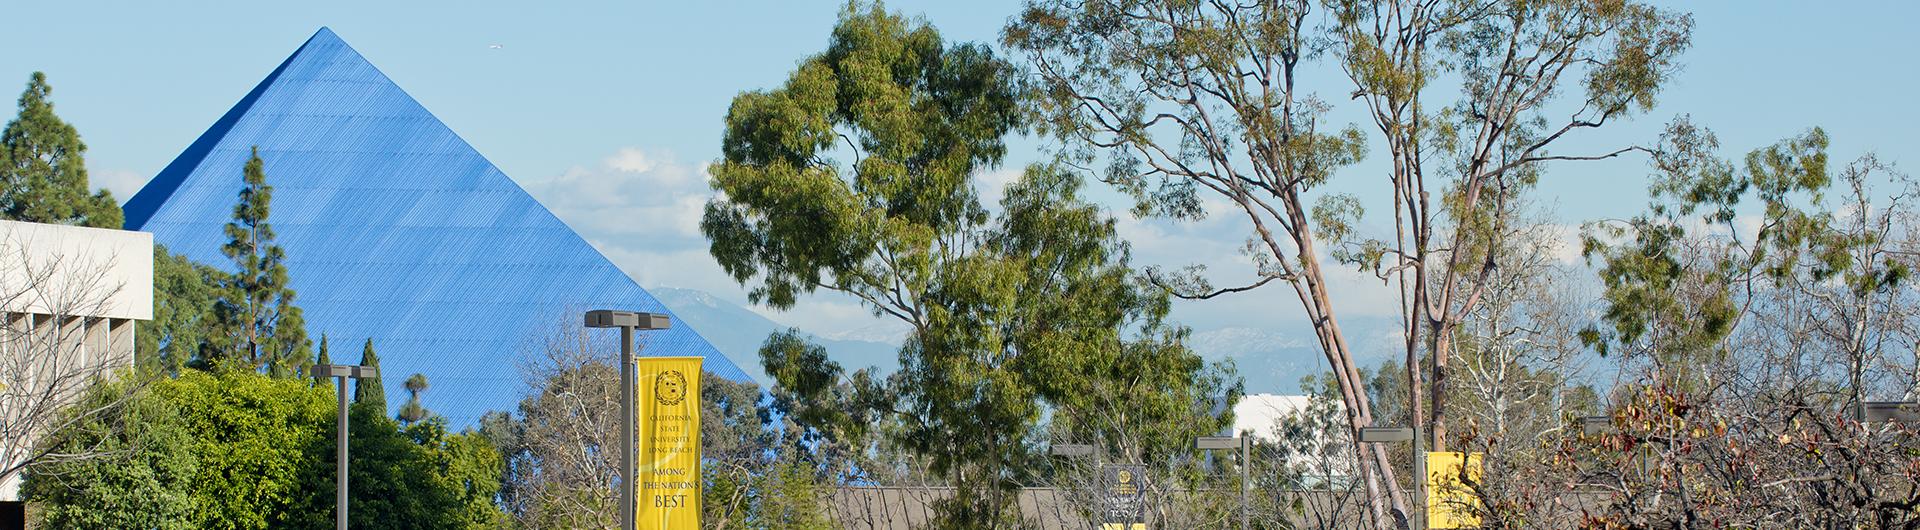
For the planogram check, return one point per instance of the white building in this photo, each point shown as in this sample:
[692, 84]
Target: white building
[1322, 456]
[1264, 415]
[68, 299]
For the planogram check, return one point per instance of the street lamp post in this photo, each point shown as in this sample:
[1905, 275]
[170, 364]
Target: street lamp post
[341, 373]
[1890, 412]
[627, 321]
[1244, 443]
[1072, 450]
[1374, 435]
[1592, 425]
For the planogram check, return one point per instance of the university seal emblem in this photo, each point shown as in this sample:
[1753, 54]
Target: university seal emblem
[669, 388]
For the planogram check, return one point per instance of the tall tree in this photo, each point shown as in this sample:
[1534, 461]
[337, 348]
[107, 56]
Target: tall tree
[43, 168]
[1010, 313]
[369, 390]
[1184, 99]
[260, 326]
[1482, 147]
[322, 358]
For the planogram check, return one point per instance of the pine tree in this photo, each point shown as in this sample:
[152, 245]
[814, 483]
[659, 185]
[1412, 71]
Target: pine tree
[43, 170]
[369, 390]
[261, 327]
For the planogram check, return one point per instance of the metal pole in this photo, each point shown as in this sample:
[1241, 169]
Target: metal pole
[1419, 516]
[340, 461]
[1246, 441]
[627, 472]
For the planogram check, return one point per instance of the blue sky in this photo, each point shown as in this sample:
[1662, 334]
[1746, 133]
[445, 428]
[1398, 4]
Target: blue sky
[578, 94]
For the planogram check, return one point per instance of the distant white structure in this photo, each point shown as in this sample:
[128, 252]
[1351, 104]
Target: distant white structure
[1323, 458]
[1264, 415]
[68, 299]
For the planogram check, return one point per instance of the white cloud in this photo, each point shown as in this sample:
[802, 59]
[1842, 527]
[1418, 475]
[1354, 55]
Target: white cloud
[642, 207]
[630, 160]
[121, 182]
[632, 194]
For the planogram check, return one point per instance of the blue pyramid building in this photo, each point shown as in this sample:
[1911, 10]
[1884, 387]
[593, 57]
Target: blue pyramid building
[397, 230]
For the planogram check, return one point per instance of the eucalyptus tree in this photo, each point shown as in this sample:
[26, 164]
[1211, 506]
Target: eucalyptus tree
[1181, 101]
[858, 177]
[1478, 149]
[1677, 277]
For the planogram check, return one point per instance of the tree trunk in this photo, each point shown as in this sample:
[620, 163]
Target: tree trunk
[1442, 349]
[1913, 388]
[1353, 393]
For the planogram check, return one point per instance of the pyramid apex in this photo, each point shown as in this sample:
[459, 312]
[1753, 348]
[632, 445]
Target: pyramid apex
[323, 34]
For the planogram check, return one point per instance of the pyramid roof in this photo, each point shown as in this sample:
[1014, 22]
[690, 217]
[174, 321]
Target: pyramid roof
[397, 230]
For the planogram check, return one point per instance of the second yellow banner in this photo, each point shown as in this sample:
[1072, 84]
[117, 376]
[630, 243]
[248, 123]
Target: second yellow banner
[668, 457]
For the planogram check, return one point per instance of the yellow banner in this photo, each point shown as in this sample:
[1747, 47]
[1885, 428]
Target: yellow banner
[1451, 503]
[668, 490]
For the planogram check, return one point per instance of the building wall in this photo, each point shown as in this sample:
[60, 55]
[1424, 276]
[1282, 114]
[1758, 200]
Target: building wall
[68, 299]
[1266, 416]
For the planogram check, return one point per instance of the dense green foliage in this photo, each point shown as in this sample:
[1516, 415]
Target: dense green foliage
[147, 482]
[1012, 313]
[1670, 289]
[183, 299]
[420, 475]
[43, 168]
[259, 442]
[257, 324]
[755, 476]
[925, 116]
[240, 450]
[231, 451]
